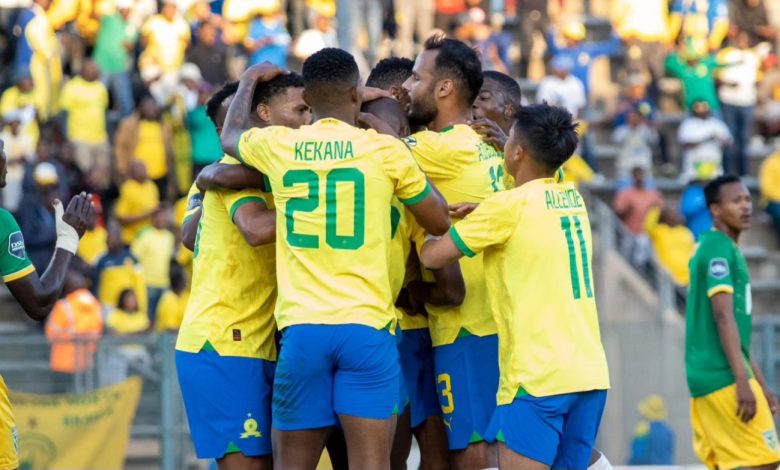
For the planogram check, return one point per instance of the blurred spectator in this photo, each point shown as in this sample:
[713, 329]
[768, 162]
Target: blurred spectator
[210, 55]
[201, 15]
[702, 24]
[84, 104]
[44, 152]
[117, 270]
[644, 27]
[636, 139]
[19, 151]
[561, 88]
[154, 248]
[769, 182]
[703, 138]
[94, 243]
[492, 45]
[768, 112]
[738, 96]
[447, 14]
[268, 39]
[127, 318]
[145, 137]
[173, 303]
[653, 442]
[165, 38]
[20, 98]
[38, 51]
[582, 53]
[138, 200]
[632, 206]
[534, 20]
[697, 75]
[415, 21]
[206, 147]
[322, 35]
[354, 16]
[635, 97]
[74, 327]
[37, 218]
[693, 205]
[672, 242]
[114, 46]
[751, 17]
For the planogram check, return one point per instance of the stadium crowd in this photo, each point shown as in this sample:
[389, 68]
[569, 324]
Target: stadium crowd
[114, 97]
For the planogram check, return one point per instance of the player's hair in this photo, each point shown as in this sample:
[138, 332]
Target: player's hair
[507, 85]
[328, 73]
[712, 189]
[389, 72]
[549, 133]
[215, 102]
[458, 62]
[265, 91]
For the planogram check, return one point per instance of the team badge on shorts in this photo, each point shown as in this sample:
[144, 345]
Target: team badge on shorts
[719, 268]
[16, 245]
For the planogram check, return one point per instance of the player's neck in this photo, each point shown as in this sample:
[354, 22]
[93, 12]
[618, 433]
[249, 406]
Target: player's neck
[449, 117]
[525, 175]
[728, 231]
[344, 115]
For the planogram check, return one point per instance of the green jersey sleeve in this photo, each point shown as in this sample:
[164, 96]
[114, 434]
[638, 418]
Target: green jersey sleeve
[717, 261]
[14, 263]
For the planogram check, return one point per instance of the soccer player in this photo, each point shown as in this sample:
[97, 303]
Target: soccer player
[332, 185]
[553, 367]
[495, 107]
[36, 295]
[445, 81]
[731, 405]
[390, 74]
[226, 352]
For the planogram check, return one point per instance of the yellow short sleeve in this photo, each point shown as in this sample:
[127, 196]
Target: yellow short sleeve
[235, 199]
[428, 149]
[194, 201]
[492, 223]
[411, 186]
[254, 148]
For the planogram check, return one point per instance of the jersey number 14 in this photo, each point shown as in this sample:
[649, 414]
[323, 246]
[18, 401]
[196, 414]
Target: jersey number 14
[567, 223]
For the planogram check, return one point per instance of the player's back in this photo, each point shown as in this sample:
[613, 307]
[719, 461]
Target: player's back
[332, 185]
[541, 285]
[464, 169]
[233, 289]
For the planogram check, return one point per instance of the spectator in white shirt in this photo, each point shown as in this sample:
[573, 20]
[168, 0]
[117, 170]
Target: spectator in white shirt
[738, 95]
[703, 138]
[636, 139]
[562, 88]
[312, 40]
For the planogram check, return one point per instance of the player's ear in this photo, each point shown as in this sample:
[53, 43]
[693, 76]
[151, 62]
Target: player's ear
[509, 111]
[355, 94]
[444, 88]
[264, 112]
[397, 92]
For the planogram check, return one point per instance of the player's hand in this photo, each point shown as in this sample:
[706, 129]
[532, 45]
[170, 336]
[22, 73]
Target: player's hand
[462, 209]
[262, 72]
[746, 401]
[370, 93]
[774, 406]
[370, 121]
[490, 132]
[79, 214]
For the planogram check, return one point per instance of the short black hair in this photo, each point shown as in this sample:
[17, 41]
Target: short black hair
[328, 72]
[549, 133]
[390, 72]
[507, 85]
[712, 189]
[277, 86]
[459, 62]
[215, 102]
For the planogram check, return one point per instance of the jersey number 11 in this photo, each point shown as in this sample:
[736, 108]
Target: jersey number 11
[566, 226]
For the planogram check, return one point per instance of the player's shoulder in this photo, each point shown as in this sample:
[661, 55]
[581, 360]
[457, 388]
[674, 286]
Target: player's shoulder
[714, 244]
[421, 138]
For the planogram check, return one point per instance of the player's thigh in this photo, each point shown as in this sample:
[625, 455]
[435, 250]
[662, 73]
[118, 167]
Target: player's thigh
[508, 459]
[402, 442]
[467, 381]
[9, 441]
[432, 439]
[419, 375]
[736, 444]
[369, 441]
[299, 450]
[228, 403]
[303, 384]
[239, 461]
[580, 428]
[367, 373]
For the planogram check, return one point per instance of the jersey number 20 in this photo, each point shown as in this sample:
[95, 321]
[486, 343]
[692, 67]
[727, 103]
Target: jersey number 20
[335, 177]
[566, 226]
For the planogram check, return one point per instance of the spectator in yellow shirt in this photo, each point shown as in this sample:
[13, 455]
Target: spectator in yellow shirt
[41, 45]
[127, 318]
[94, 243]
[117, 270]
[20, 98]
[138, 200]
[672, 242]
[173, 303]
[84, 104]
[165, 38]
[769, 182]
[154, 249]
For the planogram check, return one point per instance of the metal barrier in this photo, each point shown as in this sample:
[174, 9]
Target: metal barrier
[24, 364]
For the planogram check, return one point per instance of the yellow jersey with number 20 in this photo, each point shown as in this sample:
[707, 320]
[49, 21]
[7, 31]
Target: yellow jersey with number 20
[333, 185]
[537, 249]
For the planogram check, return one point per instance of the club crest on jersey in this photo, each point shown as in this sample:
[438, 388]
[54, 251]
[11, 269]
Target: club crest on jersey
[16, 246]
[719, 268]
[195, 201]
[410, 141]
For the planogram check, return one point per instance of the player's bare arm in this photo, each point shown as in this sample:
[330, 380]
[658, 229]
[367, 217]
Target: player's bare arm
[723, 312]
[774, 406]
[256, 222]
[238, 118]
[438, 253]
[37, 295]
[447, 290]
[189, 229]
[225, 176]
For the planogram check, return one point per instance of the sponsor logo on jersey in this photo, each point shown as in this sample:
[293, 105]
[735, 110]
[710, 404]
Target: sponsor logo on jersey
[719, 268]
[16, 245]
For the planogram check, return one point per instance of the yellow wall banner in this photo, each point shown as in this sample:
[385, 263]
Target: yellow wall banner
[86, 431]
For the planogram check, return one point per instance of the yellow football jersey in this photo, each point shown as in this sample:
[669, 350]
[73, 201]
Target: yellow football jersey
[536, 241]
[332, 185]
[233, 284]
[464, 169]
[194, 201]
[9, 442]
[403, 228]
